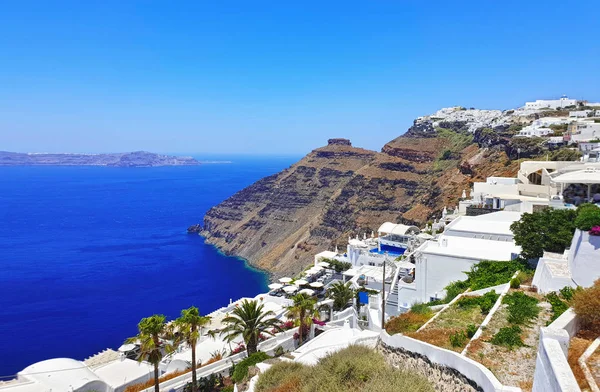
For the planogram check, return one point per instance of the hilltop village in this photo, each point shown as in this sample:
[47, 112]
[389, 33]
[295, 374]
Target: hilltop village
[479, 290]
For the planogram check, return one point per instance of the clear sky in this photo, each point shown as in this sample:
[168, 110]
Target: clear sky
[275, 77]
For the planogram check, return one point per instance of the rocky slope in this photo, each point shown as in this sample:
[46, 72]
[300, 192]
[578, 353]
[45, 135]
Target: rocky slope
[281, 221]
[128, 159]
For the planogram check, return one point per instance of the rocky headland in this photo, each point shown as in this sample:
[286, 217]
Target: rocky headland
[281, 221]
[127, 159]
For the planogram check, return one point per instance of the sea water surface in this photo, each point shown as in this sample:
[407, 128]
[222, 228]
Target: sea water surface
[86, 252]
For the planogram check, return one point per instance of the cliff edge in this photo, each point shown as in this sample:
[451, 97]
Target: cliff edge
[281, 221]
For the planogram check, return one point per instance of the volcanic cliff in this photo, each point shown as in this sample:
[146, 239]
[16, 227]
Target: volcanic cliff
[281, 221]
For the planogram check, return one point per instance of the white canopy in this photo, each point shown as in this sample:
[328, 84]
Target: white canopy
[398, 229]
[275, 286]
[301, 282]
[316, 285]
[323, 264]
[285, 280]
[307, 292]
[290, 289]
[587, 176]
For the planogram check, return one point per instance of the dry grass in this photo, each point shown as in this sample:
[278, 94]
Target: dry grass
[406, 322]
[437, 336]
[145, 385]
[354, 369]
[452, 320]
[576, 349]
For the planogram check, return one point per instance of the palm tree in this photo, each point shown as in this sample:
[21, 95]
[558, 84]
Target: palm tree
[341, 293]
[151, 330]
[303, 310]
[188, 326]
[249, 320]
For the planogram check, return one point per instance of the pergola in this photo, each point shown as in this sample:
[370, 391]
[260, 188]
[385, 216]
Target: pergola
[587, 176]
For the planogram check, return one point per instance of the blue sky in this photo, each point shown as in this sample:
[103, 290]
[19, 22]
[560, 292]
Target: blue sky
[272, 77]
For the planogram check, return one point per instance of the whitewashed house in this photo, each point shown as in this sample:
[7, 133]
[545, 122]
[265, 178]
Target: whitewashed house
[466, 241]
[551, 103]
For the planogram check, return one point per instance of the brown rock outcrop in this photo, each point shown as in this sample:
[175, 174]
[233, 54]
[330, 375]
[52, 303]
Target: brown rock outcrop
[281, 221]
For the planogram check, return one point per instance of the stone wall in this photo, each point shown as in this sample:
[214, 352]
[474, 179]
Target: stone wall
[444, 379]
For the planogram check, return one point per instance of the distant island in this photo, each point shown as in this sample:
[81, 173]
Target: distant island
[125, 159]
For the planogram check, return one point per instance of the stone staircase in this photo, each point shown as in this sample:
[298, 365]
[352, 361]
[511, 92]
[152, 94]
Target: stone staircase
[391, 303]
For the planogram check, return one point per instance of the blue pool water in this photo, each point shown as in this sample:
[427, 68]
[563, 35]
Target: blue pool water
[86, 252]
[391, 250]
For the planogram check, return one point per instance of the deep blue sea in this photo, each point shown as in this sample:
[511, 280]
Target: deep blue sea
[86, 252]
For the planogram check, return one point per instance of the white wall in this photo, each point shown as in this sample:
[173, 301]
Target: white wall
[552, 370]
[434, 272]
[474, 371]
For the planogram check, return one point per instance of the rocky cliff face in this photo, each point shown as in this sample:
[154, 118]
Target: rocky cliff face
[281, 221]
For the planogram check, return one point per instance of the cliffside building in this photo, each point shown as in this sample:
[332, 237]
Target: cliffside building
[551, 103]
[466, 241]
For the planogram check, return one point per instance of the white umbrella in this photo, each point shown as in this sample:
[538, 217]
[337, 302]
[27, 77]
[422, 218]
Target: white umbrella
[275, 286]
[307, 292]
[126, 347]
[301, 282]
[290, 289]
[285, 280]
[316, 285]
[323, 264]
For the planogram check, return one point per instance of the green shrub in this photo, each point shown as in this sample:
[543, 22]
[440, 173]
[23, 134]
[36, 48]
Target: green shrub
[454, 289]
[558, 305]
[337, 265]
[241, 369]
[588, 218]
[458, 339]
[521, 307]
[515, 283]
[488, 273]
[509, 337]
[471, 329]
[420, 308]
[228, 388]
[485, 302]
[567, 293]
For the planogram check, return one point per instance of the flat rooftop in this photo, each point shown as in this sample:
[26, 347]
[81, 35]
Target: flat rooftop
[471, 248]
[495, 223]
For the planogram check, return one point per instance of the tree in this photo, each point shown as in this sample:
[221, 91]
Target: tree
[551, 230]
[302, 310]
[587, 217]
[341, 293]
[188, 325]
[153, 331]
[249, 320]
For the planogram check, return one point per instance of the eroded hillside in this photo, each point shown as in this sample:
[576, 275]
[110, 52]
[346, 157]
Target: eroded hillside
[281, 221]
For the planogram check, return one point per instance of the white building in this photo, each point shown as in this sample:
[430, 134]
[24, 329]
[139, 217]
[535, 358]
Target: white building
[581, 113]
[466, 241]
[531, 131]
[551, 103]
[583, 131]
[578, 266]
